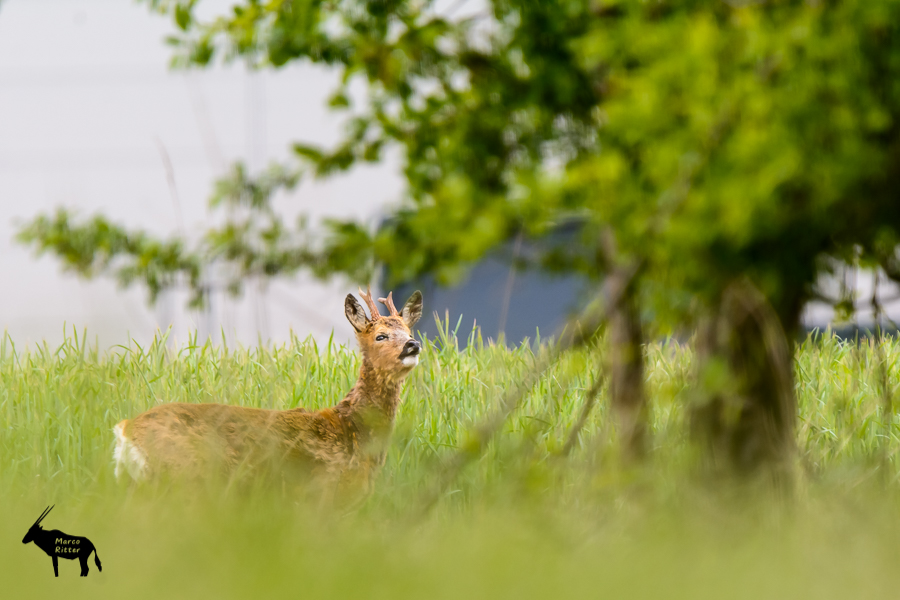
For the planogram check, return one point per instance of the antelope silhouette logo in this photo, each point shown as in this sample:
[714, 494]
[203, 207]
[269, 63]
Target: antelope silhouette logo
[57, 544]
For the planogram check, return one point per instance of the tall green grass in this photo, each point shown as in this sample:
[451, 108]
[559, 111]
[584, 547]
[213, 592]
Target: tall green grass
[519, 521]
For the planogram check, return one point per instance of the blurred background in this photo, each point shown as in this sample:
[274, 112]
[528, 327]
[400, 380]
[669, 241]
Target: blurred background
[92, 118]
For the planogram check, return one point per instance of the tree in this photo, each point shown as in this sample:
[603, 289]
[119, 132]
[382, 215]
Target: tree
[717, 153]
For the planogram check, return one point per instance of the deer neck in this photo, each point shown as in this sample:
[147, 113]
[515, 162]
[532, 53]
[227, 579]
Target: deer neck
[376, 395]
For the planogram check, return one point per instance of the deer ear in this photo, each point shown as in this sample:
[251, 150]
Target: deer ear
[355, 313]
[412, 310]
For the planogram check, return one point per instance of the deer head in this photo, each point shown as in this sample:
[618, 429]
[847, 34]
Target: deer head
[34, 529]
[386, 341]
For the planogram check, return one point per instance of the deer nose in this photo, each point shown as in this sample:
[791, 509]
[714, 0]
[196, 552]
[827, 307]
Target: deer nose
[411, 347]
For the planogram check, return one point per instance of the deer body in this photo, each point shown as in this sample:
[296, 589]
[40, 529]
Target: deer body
[343, 444]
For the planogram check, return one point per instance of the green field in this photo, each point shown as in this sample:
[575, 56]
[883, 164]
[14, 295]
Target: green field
[518, 521]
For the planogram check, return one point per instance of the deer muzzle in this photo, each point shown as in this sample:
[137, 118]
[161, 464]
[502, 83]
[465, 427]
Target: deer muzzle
[411, 349]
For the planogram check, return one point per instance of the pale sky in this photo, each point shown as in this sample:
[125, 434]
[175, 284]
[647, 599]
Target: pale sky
[87, 107]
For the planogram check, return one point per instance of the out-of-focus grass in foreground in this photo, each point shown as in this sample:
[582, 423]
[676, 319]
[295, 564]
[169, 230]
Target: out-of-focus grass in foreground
[519, 522]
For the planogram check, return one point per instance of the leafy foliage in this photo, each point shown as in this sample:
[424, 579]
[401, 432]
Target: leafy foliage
[95, 246]
[717, 140]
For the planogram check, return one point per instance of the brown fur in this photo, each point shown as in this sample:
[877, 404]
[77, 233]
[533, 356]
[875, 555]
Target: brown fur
[343, 444]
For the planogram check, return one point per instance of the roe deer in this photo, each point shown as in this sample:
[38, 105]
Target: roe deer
[57, 544]
[341, 446]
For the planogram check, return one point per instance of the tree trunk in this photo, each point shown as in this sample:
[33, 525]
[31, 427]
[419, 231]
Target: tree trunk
[748, 418]
[627, 396]
[628, 400]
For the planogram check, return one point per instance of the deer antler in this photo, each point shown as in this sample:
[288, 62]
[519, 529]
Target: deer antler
[389, 302]
[373, 308]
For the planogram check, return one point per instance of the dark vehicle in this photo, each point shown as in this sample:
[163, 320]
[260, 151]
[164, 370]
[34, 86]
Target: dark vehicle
[58, 544]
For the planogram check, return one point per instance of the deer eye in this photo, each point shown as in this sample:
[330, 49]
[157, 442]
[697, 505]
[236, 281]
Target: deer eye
[381, 338]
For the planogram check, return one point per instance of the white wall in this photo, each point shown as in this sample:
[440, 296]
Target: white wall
[87, 107]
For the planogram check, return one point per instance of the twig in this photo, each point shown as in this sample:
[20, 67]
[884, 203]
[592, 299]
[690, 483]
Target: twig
[510, 282]
[577, 333]
[887, 402]
[173, 189]
[589, 403]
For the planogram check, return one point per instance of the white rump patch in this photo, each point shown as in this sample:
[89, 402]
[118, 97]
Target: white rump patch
[128, 456]
[411, 361]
